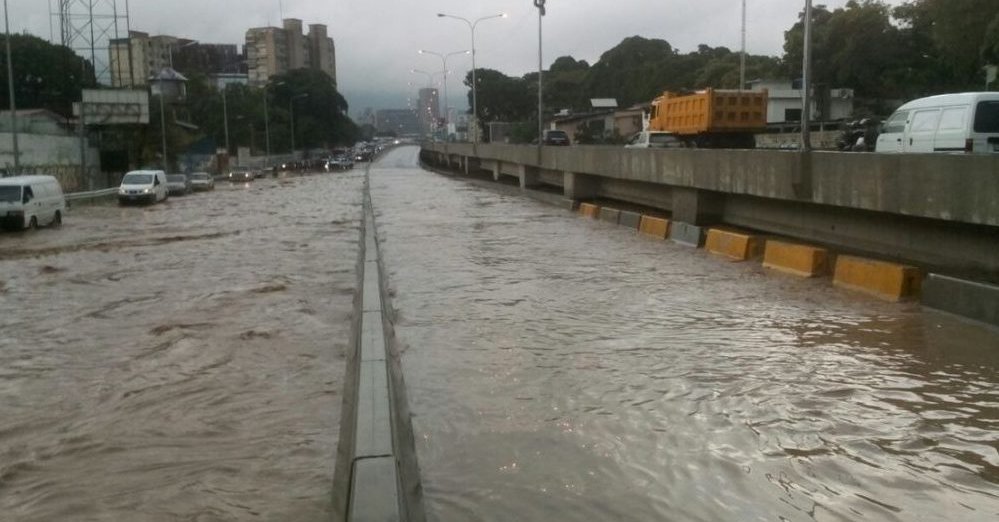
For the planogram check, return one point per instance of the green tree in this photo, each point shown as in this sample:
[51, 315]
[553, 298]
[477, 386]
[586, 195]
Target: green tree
[46, 76]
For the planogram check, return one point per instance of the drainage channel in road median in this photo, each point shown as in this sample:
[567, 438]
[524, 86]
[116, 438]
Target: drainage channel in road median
[377, 476]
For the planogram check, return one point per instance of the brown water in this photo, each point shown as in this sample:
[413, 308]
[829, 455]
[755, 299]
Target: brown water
[564, 369]
[182, 361]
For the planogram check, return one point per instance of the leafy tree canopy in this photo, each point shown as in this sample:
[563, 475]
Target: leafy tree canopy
[46, 76]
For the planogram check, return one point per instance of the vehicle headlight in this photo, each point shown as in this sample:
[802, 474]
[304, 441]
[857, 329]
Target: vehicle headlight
[146, 191]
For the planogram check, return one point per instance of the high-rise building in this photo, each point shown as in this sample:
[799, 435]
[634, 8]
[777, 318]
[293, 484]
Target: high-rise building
[271, 50]
[399, 122]
[136, 58]
[429, 109]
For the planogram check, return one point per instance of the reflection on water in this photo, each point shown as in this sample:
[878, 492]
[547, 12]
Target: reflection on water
[181, 361]
[564, 369]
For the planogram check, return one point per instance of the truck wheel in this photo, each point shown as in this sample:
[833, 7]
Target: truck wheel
[33, 224]
[57, 221]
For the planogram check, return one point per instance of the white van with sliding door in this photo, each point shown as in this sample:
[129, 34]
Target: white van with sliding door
[966, 122]
[31, 201]
[143, 186]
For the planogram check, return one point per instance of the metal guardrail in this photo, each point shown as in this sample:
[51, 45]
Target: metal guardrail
[94, 194]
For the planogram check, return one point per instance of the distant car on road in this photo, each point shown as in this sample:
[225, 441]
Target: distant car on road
[956, 123]
[202, 181]
[241, 174]
[555, 137]
[178, 185]
[143, 186]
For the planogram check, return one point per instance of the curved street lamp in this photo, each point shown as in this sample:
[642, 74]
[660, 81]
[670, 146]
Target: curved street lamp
[444, 58]
[475, 101]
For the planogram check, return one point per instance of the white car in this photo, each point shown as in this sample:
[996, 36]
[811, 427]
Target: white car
[654, 140]
[143, 186]
[30, 201]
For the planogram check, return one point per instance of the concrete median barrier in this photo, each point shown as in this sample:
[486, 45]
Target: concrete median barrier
[888, 281]
[655, 227]
[589, 210]
[795, 259]
[733, 244]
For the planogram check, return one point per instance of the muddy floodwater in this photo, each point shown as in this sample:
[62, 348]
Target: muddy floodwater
[182, 361]
[565, 369]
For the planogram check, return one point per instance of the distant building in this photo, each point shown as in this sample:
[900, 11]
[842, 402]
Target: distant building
[400, 122]
[429, 109]
[136, 58]
[784, 102]
[271, 51]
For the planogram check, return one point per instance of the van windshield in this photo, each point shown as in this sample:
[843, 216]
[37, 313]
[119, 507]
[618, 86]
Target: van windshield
[137, 179]
[10, 194]
[987, 117]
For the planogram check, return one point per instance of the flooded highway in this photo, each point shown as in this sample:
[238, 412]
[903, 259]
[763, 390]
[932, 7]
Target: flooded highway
[183, 361]
[565, 369]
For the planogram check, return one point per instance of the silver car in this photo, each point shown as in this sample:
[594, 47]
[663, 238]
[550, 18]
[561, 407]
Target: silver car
[178, 185]
[202, 181]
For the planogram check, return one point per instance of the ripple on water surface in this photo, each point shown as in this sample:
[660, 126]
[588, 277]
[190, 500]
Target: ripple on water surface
[182, 361]
[564, 369]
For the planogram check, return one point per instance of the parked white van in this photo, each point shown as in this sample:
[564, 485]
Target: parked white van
[966, 122]
[30, 201]
[143, 186]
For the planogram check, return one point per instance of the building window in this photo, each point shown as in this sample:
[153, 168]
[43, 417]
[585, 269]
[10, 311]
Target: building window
[792, 114]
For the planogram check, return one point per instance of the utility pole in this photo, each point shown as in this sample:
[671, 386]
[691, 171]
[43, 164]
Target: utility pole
[10, 89]
[225, 116]
[806, 82]
[742, 59]
[540, 4]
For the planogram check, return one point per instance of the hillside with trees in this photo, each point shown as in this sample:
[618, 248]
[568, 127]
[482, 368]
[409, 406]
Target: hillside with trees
[887, 55]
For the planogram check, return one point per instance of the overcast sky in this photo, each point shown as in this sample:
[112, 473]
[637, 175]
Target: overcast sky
[377, 40]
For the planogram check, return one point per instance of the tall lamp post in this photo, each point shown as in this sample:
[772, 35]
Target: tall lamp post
[444, 58]
[225, 115]
[540, 4]
[291, 109]
[10, 90]
[806, 82]
[742, 57]
[429, 75]
[475, 101]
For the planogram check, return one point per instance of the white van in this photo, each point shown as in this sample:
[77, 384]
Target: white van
[966, 122]
[143, 186]
[654, 140]
[30, 201]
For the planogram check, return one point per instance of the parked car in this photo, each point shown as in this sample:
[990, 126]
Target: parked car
[202, 181]
[965, 122]
[654, 140]
[239, 174]
[555, 137]
[143, 186]
[178, 185]
[30, 201]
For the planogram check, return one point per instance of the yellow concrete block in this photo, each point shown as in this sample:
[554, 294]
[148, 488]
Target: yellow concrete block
[888, 281]
[799, 260]
[654, 226]
[732, 244]
[589, 210]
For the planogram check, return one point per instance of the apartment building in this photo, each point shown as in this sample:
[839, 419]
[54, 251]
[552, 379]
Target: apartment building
[272, 51]
[136, 58]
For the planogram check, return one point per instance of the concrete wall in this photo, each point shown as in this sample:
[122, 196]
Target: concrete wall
[51, 155]
[960, 188]
[938, 211]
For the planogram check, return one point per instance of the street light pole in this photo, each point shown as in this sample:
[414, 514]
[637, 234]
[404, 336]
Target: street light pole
[10, 89]
[162, 127]
[225, 115]
[806, 82]
[444, 58]
[475, 101]
[291, 109]
[267, 127]
[742, 58]
[540, 4]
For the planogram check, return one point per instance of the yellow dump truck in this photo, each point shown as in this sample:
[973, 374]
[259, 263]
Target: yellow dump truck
[711, 118]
